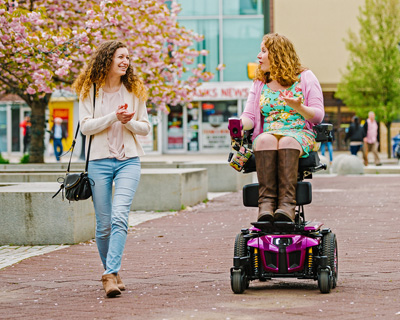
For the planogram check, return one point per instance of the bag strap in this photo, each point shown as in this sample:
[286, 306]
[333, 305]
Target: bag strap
[76, 134]
[90, 139]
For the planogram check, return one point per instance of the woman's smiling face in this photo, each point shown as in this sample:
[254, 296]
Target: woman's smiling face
[120, 62]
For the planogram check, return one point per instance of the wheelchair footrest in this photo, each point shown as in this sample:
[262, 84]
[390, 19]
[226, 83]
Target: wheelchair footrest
[268, 226]
[263, 225]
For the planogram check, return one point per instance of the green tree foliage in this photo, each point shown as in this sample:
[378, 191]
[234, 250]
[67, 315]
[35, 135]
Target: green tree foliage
[372, 77]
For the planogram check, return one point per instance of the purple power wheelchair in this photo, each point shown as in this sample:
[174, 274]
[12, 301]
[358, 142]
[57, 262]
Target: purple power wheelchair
[299, 249]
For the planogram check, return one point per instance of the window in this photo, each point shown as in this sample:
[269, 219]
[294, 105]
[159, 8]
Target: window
[209, 28]
[242, 38]
[215, 133]
[242, 7]
[232, 36]
[3, 128]
[199, 7]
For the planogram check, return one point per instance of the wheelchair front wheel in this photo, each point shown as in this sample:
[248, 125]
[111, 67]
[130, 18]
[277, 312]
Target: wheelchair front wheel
[324, 281]
[238, 281]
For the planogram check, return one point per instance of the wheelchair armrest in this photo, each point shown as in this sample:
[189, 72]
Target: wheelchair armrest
[311, 161]
[324, 132]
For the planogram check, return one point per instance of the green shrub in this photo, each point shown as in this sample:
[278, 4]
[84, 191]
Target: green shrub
[25, 158]
[2, 160]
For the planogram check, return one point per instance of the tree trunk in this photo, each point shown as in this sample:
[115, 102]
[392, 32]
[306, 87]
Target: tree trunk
[389, 139]
[38, 125]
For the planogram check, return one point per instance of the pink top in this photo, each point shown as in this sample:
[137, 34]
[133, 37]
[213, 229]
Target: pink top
[115, 136]
[312, 98]
[372, 133]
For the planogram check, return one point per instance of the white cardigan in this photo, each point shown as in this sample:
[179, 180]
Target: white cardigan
[98, 125]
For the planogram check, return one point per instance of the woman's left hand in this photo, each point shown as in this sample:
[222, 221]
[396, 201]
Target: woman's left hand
[294, 103]
[123, 115]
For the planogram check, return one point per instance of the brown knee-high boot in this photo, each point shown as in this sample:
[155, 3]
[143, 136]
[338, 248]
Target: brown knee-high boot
[266, 174]
[288, 164]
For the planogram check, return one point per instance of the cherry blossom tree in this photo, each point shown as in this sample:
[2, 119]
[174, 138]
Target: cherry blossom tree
[44, 43]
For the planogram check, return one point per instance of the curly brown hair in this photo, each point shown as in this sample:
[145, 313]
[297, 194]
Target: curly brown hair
[98, 67]
[285, 65]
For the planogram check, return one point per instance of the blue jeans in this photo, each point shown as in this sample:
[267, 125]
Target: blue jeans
[58, 148]
[330, 149]
[112, 215]
[355, 149]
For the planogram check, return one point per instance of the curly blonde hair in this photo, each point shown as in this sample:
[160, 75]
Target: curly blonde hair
[285, 65]
[98, 67]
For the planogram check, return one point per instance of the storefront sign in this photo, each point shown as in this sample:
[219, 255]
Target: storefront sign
[223, 91]
[215, 138]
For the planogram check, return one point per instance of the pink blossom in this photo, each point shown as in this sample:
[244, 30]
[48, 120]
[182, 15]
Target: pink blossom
[220, 67]
[61, 72]
[30, 90]
[161, 50]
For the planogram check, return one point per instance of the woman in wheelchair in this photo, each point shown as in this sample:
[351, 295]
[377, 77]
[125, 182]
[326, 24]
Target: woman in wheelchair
[284, 103]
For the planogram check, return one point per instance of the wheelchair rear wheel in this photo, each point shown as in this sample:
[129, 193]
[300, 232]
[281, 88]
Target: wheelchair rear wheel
[329, 249]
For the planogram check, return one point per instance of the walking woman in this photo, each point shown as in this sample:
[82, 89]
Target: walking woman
[356, 136]
[117, 117]
[284, 103]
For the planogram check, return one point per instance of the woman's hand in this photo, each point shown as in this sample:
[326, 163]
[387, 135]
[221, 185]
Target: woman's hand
[123, 115]
[294, 103]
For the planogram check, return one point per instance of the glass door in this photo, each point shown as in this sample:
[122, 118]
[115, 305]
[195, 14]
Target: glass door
[175, 139]
[192, 128]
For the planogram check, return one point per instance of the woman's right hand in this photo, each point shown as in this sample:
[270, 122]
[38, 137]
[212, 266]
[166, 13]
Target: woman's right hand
[123, 115]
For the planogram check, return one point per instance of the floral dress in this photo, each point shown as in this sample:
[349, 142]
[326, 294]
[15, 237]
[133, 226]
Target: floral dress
[282, 120]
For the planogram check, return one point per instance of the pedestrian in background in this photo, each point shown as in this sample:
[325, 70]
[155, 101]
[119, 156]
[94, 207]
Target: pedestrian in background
[371, 139]
[26, 132]
[356, 136]
[57, 133]
[118, 116]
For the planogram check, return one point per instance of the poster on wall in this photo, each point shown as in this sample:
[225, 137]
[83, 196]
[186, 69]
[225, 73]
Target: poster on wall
[216, 137]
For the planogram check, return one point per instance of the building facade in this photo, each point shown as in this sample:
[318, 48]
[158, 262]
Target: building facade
[318, 29]
[13, 110]
[232, 32]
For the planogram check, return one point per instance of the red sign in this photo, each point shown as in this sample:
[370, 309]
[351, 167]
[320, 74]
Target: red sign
[60, 113]
[223, 91]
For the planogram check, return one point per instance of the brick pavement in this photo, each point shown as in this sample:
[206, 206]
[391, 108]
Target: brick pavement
[177, 267]
[13, 254]
[10, 255]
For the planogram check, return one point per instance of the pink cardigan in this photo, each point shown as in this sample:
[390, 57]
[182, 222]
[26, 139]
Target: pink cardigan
[312, 98]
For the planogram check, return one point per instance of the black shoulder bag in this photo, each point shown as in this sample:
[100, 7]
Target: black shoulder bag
[77, 185]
